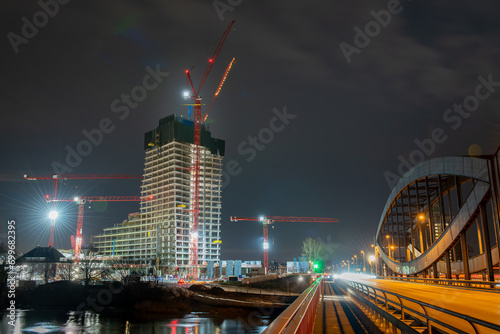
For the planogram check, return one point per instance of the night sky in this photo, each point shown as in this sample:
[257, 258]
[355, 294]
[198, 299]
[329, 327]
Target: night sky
[360, 81]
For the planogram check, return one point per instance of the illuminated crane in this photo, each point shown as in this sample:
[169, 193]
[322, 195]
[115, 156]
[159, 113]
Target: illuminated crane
[76, 243]
[194, 95]
[268, 220]
[56, 177]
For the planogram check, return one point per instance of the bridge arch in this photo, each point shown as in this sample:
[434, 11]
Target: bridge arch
[442, 218]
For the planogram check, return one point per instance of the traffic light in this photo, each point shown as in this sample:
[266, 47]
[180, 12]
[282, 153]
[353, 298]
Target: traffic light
[318, 267]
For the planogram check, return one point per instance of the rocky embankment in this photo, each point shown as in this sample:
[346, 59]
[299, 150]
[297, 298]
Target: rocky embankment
[139, 297]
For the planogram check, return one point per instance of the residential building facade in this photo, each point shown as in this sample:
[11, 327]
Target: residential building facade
[160, 234]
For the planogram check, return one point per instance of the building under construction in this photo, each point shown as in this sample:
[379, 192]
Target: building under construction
[160, 234]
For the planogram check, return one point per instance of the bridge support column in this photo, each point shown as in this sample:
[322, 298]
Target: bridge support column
[465, 255]
[494, 173]
[435, 271]
[487, 246]
[448, 264]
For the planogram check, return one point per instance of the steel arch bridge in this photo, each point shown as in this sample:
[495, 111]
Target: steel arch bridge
[442, 219]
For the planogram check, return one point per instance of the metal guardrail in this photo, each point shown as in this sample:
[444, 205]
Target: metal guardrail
[488, 285]
[378, 296]
[300, 315]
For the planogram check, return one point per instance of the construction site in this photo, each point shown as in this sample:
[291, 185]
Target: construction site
[177, 230]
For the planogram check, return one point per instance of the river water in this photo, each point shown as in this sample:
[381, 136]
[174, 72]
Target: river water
[51, 321]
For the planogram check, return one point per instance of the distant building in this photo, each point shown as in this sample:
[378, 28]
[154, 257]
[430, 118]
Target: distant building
[297, 267]
[160, 234]
[41, 263]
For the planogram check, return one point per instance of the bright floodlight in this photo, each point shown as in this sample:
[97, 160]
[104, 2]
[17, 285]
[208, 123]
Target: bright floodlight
[53, 215]
[76, 199]
[266, 245]
[261, 218]
[194, 235]
[371, 258]
[185, 94]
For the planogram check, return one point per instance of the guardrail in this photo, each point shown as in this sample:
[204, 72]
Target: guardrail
[488, 285]
[300, 315]
[375, 297]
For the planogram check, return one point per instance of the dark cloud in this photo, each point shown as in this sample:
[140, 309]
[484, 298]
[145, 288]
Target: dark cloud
[353, 120]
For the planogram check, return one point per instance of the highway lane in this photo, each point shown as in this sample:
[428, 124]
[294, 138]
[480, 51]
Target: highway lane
[479, 304]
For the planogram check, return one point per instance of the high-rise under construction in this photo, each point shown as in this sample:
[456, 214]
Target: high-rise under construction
[160, 234]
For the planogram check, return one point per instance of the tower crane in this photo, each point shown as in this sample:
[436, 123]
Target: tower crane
[268, 220]
[63, 177]
[194, 95]
[76, 243]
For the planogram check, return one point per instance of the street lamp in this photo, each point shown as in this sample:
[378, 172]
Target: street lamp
[53, 215]
[356, 258]
[371, 259]
[364, 262]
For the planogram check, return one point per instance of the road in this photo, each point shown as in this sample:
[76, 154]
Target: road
[479, 304]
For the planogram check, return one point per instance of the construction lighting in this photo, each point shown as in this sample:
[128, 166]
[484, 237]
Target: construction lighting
[194, 235]
[185, 94]
[261, 218]
[76, 199]
[266, 245]
[53, 215]
[371, 258]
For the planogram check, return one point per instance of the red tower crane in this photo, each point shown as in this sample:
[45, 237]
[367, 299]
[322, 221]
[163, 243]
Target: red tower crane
[194, 95]
[268, 220]
[63, 177]
[76, 243]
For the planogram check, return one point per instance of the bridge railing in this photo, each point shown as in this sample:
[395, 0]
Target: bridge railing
[300, 315]
[489, 285]
[379, 298]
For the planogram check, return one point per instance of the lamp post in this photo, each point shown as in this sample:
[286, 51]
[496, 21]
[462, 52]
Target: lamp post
[356, 257]
[371, 259]
[364, 261]
[423, 237]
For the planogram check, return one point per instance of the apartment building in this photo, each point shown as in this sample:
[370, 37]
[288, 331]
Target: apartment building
[160, 234]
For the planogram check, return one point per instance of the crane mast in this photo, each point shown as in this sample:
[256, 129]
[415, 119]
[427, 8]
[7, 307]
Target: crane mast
[268, 220]
[198, 121]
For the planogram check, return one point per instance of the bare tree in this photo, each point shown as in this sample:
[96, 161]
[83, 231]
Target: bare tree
[47, 270]
[90, 267]
[65, 271]
[313, 249]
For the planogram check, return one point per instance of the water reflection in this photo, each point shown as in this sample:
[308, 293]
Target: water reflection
[38, 321]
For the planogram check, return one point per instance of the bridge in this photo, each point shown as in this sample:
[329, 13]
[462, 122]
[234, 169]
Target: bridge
[437, 259]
